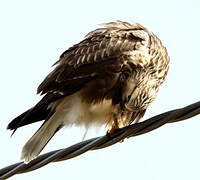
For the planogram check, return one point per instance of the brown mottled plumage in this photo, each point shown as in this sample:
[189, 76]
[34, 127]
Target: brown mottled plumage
[109, 78]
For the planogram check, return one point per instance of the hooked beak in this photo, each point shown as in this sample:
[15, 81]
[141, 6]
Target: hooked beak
[131, 108]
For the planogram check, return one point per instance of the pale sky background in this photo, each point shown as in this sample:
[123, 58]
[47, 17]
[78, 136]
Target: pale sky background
[33, 34]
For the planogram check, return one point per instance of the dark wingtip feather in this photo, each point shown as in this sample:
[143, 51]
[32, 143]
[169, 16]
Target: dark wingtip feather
[30, 116]
[41, 111]
[14, 124]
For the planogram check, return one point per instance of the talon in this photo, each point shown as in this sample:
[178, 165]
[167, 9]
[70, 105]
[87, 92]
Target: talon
[113, 130]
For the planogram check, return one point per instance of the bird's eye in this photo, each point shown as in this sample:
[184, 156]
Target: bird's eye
[129, 96]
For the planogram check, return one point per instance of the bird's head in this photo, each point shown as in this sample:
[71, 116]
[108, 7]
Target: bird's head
[140, 98]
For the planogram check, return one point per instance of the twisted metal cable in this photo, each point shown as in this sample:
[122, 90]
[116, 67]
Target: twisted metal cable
[103, 141]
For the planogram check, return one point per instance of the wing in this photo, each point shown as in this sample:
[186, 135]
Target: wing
[85, 61]
[99, 54]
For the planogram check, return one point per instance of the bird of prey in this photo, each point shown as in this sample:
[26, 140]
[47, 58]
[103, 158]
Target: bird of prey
[109, 78]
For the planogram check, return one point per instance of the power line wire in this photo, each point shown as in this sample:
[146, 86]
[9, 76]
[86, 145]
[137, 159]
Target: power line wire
[103, 141]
